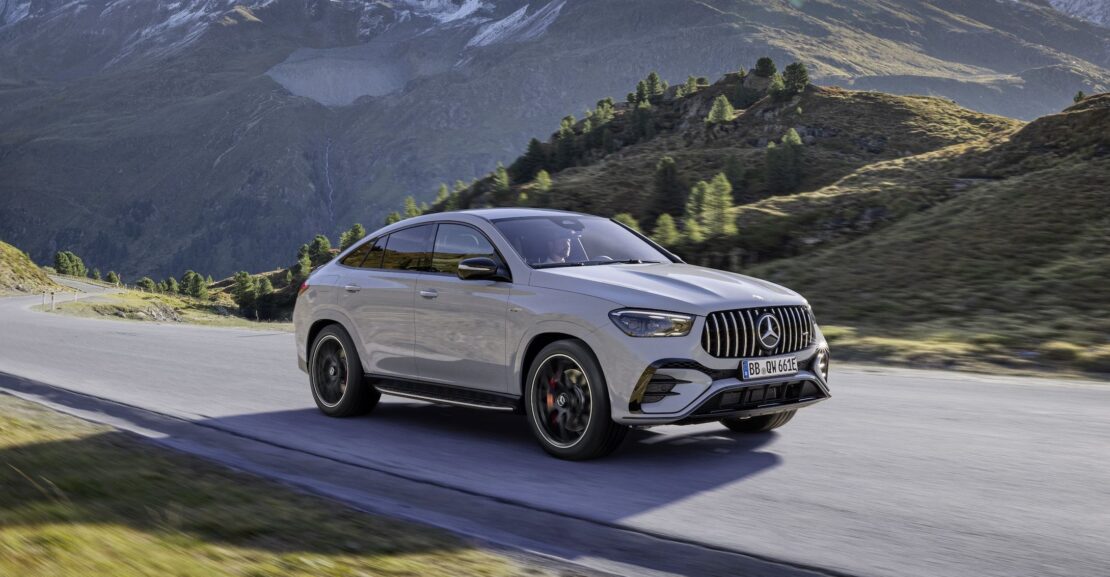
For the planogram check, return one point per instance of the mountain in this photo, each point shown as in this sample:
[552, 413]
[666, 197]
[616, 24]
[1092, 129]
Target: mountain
[152, 136]
[920, 230]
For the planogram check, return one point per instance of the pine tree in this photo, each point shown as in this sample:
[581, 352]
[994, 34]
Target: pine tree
[777, 88]
[604, 113]
[737, 176]
[784, 163]
[643, 123]
[319, 251]
[642, 94]
[665, 232]
[670, 190]
[244, 290]
[162, 287]
[392, 218]
[96, 274]
[796, 78]
[542, 188]
[113, 277]
[62, 265]
[765, 67]
[172, 286]
[355, 234]
[566, 149]
[304, 266]
[288, 278]
[265, 287]
[691, 85]
[1079, 97]
[533, 160]
[627, 220]
[411, 208]
[146, 284]
[717, 207]
[695, 203]
[655, 87]
[722, 111]
[693, 230]
[501, 191]
[208, 281]
[198, 288]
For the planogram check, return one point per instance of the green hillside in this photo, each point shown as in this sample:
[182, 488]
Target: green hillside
[1002, 245]
[921, 231]
[18, 275]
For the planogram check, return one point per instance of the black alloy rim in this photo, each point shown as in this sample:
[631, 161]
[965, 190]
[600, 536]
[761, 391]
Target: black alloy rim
[562, 400]
[329, 373]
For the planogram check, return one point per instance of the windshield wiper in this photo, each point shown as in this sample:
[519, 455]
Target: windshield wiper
[593, 263]
[625, 261]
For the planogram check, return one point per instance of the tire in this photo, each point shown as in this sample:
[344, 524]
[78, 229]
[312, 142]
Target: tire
[335, 375]
[760, 424]
[566, 403]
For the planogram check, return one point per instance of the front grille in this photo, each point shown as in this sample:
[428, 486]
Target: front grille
[734, 334]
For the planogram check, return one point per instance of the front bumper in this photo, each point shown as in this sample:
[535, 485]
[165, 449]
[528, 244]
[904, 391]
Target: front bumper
[707, 388]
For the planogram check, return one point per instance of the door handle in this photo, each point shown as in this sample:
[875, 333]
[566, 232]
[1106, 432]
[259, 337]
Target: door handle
[352, 288]
[429, 293]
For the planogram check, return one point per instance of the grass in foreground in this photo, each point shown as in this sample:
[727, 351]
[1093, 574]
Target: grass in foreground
[80, 499]
[133, 305]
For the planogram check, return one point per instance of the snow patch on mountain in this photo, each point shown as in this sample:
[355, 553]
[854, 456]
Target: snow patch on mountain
[443, 11]
[12, 11]
[1096, 11]
[518, 26]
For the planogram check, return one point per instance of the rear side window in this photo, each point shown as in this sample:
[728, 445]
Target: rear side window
[355, 258]
[455, 242]
[409, 249]
[367, 255]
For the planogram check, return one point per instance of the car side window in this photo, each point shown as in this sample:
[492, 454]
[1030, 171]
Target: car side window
[409, 249]
[455, 242]
[374, 255]
[355, 258]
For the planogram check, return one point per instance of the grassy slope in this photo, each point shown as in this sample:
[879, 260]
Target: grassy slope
[80, 499]
[19, 275]
[140, 306]
[846, 130]
[994, 248]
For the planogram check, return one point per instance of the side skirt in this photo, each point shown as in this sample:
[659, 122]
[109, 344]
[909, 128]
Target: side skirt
[446, 394]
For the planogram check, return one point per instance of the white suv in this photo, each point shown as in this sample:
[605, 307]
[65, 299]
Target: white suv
[584, 325]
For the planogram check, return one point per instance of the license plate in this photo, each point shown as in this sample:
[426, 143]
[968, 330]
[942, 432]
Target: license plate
[773, 367]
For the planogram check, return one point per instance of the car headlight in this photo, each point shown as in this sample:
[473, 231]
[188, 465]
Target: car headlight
[652, 323]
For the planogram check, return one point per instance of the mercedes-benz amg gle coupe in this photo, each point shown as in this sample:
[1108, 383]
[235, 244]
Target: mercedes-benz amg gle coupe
[584, 325]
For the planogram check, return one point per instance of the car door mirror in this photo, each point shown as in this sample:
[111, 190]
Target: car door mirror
[481, 268]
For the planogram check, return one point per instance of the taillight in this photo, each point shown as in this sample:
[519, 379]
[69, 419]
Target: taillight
[304, 287]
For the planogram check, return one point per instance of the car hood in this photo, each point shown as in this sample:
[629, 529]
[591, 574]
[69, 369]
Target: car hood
[667, 286]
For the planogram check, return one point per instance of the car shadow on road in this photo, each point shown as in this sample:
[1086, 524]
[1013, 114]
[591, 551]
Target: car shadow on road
[495, 454]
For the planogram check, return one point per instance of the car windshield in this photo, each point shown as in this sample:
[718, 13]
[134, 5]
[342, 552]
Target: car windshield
[559, 241]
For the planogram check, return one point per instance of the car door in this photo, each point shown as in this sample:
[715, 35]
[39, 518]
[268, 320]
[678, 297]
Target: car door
[378, 295]
[461, 324]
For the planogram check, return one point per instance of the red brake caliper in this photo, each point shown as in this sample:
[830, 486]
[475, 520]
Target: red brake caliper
[553, 415]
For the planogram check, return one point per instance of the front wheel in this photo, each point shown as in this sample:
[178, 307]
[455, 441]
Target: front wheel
[758, 424]
[335, 374]
[567, 403]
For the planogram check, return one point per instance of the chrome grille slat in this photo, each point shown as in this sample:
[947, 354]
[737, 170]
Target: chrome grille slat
[734, 334]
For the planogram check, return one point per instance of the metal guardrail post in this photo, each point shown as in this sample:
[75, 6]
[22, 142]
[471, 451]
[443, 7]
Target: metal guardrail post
[52, 300]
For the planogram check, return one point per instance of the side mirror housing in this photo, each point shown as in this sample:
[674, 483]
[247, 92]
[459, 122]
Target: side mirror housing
[482, 268]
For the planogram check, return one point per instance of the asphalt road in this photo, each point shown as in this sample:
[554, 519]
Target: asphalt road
[903, 472]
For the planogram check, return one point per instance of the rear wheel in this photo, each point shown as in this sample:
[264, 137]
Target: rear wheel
[758, 424]
[335, 374]
[567, 403]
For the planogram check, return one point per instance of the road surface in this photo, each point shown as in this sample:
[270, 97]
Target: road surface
[903, 472]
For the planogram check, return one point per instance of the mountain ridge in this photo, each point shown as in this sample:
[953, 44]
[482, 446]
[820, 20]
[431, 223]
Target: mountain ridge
[203, 159]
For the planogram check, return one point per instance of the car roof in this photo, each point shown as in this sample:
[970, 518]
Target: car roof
[500, 213]
[486, 214]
